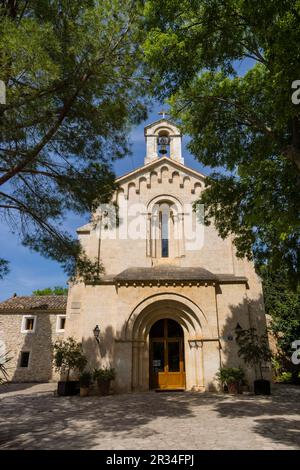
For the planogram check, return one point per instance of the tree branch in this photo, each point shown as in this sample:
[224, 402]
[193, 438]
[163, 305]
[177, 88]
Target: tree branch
[51, 132]
[25, 209]
[31, 155]
[251, 118]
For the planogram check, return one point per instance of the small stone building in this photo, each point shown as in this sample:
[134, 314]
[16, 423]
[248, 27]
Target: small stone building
[28, 328]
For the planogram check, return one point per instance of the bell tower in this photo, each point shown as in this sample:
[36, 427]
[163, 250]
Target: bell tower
[163, 138]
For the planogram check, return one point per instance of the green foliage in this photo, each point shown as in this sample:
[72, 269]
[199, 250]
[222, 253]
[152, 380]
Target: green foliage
[253, 348]
[3, 268]
[229, 375]
[104, 374]
[85, 379]
[74, 88]
[68, 356]
[284, 378]
[282, 303]
[57, 290]
[245, 126]
[4, 359]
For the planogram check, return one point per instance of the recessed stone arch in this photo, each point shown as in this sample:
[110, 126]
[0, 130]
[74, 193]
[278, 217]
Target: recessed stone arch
[174, 221]
[194, 325]
[142, 184]
[186, 311]
[163, 128]
[131, 187]
[165, 197]
[164, 172]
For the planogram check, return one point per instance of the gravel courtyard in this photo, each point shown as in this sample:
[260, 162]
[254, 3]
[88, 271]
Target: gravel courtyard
[31, 417]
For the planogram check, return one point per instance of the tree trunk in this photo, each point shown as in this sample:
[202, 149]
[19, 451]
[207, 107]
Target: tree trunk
[293, 154]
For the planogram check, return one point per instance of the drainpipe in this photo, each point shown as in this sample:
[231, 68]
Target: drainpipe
[99, 246]
[218, 327]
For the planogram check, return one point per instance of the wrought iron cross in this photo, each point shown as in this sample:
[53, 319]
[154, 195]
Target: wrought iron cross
[163, 113]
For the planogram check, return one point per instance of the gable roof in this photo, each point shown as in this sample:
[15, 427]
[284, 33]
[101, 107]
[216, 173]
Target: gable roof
[155, 123]
[35, 302]
[159, 162]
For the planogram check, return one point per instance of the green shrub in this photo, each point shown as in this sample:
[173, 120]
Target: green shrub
[229, 375]
[68, 356]
[4, 359]
[253, 348]
[284, 378]
[104, 374]
[85, 379]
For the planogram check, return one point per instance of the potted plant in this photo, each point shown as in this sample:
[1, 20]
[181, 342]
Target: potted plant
[103, 377]
[254, 349]
[85, 379]
[232, 378]
[68, 356]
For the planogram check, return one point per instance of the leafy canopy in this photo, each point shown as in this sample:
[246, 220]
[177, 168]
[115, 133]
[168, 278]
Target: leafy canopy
[283, 305]
[68, 356]
[57, 290]
[4, 359]
[253, 347]
[73, 89]
[245, 127]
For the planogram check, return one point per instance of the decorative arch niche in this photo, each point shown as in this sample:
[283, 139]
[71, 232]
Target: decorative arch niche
[193, 323]
[165, 234]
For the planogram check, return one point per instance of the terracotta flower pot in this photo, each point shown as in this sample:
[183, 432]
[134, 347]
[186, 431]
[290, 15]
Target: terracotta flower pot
[233, 388]
[84, 391]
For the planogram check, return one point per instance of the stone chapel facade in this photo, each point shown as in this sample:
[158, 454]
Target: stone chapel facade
[172, 291]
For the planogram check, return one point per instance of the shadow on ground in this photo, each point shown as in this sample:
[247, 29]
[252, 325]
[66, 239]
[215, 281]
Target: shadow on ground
[18, 387]
[148, 419]
[282, 407]
[86, 419]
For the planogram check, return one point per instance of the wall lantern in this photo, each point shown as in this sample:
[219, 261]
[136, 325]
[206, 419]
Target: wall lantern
[96, 332]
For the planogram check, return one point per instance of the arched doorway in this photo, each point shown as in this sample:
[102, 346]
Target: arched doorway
[194, 326]
[166, 347]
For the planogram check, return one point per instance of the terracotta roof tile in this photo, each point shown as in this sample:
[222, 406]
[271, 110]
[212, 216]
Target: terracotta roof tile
[169, 272]
[35, 302]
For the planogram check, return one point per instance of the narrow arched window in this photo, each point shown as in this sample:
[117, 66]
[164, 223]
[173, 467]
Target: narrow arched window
[164, 229]
[164, 236]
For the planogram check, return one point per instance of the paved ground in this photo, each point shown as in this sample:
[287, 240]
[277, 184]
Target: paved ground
[31, 417]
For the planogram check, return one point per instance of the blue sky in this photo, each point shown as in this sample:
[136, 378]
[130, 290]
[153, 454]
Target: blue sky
[29, 270]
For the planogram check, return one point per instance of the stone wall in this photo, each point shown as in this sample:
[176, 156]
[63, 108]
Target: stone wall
[206, 314]
[216, 307]
[38, 343]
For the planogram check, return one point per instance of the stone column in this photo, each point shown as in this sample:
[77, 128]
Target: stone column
[181, 241]
[197, 357]
[151, 149]
[148, 236]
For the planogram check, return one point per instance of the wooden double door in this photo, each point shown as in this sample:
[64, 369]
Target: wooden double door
[166, 355]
